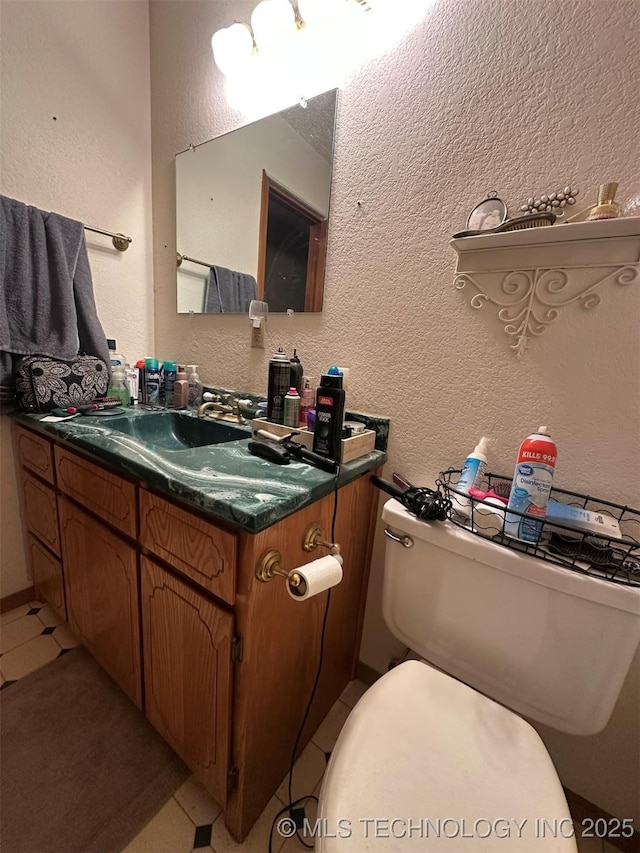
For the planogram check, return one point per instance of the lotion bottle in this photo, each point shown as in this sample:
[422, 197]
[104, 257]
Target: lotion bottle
[181, 390]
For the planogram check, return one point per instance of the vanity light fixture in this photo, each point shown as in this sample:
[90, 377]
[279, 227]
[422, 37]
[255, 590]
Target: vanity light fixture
[232, 47]
[273, 24]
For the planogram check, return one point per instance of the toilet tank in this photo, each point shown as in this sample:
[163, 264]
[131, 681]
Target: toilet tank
[552, 644]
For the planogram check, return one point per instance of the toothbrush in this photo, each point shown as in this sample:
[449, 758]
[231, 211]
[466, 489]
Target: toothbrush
[105, 403]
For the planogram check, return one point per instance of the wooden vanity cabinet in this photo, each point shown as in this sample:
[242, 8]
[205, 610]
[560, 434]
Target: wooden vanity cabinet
[169, 603]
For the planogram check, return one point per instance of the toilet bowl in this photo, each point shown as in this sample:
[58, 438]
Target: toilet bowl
[435, 759]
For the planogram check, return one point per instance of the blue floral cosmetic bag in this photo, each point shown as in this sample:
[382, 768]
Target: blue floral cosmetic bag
[44, 383]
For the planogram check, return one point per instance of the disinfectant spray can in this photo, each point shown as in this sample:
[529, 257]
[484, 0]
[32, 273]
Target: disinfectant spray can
[531, 486]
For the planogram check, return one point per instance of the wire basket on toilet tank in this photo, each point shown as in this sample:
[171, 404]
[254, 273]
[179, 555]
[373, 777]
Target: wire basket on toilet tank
[580, 532]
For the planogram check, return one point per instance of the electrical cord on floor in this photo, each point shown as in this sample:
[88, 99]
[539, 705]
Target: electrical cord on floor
[308, 797]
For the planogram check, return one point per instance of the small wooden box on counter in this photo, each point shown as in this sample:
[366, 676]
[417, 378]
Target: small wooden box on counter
[352, 448]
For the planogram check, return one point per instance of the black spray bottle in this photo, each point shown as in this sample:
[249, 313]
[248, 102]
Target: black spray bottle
[327, 435]
[279, 384]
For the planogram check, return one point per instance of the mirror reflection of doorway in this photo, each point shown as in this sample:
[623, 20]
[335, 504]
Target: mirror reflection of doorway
[292, 251]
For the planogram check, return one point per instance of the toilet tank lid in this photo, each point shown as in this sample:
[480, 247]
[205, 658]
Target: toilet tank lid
[445, 534]
[421, 745]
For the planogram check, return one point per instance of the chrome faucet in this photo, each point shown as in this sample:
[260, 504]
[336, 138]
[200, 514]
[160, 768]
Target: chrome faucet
[228, 411]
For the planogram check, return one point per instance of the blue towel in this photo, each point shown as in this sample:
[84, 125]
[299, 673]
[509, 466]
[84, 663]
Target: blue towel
[46, 293]
[229, 292]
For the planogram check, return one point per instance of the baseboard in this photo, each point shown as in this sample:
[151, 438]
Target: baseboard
[367, 673]
[10, 602]
[586, 816]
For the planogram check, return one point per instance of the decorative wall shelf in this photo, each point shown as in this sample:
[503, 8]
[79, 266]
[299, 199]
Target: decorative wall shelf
[530, 275]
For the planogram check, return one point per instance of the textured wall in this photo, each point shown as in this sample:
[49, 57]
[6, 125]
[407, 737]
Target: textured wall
[87, 65]
[511, 95]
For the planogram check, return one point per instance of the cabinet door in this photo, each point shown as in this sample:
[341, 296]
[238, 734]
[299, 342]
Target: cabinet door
[46, 571]
[100, 572]
[40, 512]
[187, 673]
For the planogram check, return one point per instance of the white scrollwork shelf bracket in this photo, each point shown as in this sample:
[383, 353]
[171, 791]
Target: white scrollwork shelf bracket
[529, 300]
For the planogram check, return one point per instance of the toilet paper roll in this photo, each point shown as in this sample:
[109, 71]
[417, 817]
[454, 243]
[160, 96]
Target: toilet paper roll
[316, 577]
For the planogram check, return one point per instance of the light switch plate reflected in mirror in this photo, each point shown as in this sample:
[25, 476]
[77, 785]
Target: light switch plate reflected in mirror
[252, 211]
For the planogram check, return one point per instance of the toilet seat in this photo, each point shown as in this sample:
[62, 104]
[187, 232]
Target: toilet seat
[426, 763]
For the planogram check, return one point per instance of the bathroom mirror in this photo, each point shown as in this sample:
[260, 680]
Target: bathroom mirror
[252, 209]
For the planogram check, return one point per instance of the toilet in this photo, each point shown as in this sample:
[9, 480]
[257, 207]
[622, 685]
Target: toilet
[436, 755]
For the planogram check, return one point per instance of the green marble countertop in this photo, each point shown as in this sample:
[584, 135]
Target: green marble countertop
[224, 481]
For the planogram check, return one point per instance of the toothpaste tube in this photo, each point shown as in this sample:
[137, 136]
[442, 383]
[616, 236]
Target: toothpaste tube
[584, 520]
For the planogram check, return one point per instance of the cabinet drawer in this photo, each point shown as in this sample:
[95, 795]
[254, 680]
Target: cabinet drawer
[46, 571]
[40, 512]
[108, 495]
[205, 553]
[35, 453]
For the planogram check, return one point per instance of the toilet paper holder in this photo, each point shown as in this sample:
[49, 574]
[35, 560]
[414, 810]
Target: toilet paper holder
[314, 537]
[270, 564]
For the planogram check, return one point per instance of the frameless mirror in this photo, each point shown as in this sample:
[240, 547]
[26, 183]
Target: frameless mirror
[252, 211]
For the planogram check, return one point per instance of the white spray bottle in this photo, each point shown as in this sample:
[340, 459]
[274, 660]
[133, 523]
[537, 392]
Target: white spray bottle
[471, 477]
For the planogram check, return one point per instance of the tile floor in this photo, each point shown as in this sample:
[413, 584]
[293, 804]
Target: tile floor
[32, 636]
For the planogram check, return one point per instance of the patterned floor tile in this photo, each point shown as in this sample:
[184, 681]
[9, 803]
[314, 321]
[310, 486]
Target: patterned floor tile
[307, 772]
[48, 616]
[11, 615]
[353, 692]
[258, 838]
[202, 837]
[170, 831]
[19, 631]
[307, 830]
[29, 656]
[197, 803]
[328, 731]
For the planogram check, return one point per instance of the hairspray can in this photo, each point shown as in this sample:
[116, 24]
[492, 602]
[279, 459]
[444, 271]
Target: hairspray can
[531, 486]
[279, 384]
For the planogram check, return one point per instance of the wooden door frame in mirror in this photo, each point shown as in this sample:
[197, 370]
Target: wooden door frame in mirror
[317, 242]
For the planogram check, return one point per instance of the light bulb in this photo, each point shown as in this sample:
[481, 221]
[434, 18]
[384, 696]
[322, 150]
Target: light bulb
[232, 47]
[273, 22]
[321, 12]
